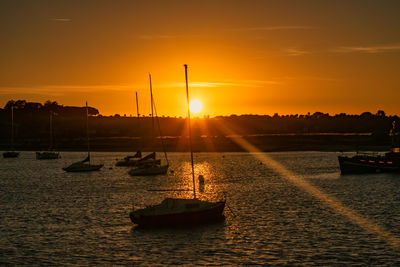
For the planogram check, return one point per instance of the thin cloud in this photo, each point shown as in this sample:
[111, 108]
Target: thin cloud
[240, 83]
[275, 28]
[310, 78]
[88, 88]
[295, 52]
[157, 36]
[61, 19]
[57, 90]
[60, 90]
[261, 81]
[367, 49]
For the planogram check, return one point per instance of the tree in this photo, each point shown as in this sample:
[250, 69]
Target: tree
[9, 104]
[32, 106]
[381, 113]
[51, 106]
[20, 104]
[366, 115]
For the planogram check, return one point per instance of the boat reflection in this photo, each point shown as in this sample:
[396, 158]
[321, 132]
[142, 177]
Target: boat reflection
[208, 189]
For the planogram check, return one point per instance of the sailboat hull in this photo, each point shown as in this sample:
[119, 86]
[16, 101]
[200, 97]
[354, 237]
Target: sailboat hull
[83, 168]
[136, 162]
[209, 215]
[149, 170]
[47, 155]
[360, 165]
[10, 154]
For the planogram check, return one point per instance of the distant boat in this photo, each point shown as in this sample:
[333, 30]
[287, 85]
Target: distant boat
[12, 153]
[149, 169]
[149, 165]
[84, 165]
[180, 211]
[373, 163]
[49, 154]
[131, 161]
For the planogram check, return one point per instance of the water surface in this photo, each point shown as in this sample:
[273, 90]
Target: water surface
[50, 217]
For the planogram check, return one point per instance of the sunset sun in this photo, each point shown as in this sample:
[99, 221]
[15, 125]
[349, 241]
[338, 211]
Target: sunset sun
[195, 106]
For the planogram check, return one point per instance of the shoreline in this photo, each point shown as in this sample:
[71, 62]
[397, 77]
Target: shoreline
[271, 143]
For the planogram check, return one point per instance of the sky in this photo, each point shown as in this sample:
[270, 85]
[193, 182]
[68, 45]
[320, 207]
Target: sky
[244, 57]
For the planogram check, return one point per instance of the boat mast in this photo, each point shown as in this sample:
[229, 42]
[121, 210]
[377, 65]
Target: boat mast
[152, 114]
[138, 120]
[51, 130]
[137, 106]
[12, 126]
[87, 131]
[161, 136]
[190, 132]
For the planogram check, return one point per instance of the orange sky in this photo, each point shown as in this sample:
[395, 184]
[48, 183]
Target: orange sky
[244, 57]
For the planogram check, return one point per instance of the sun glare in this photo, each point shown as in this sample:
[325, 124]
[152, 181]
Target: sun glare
[195, 106]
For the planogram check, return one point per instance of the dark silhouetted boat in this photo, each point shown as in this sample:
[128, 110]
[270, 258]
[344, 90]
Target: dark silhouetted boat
[373, 163]
[49, 154]
[12, 153]
[180, 211]
[84, 165]
[132, 161]
[149, 169]
[149, 165]
[135, 161]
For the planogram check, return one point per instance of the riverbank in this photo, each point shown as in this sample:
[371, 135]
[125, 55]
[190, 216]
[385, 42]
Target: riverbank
[267, 143]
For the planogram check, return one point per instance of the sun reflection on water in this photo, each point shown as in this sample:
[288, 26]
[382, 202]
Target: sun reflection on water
[207, 190]
[317, 193]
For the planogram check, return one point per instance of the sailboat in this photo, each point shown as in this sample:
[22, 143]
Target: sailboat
[130, 160]
[12, 153]
[374, 163]
[180, 211]
[49, 154]
[135, 160]
[149, 165]
[84, 165]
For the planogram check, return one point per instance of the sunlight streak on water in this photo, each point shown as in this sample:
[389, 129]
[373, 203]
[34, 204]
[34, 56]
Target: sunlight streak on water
[335, 204]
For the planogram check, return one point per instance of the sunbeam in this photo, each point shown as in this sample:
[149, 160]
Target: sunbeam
[330, 201]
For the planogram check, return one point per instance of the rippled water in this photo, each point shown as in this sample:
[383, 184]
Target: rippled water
[52, 217]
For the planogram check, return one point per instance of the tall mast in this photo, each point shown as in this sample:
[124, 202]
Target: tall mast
[137, 106]
[51, 129]
[12, 127]
[138, 116]
[87, 131]
[152, 105]
[161, 136]
[190, 131]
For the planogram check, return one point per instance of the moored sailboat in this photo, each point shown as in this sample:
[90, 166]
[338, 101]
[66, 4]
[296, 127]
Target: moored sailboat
[84, 165]
[11, 153]
[130, 161]
[149, 165]
[49, 154]
[180, 211]
[374, 163]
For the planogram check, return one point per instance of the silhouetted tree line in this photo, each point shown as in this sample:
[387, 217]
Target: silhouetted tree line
[318, 122]
[31, 122]
[24, 107]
